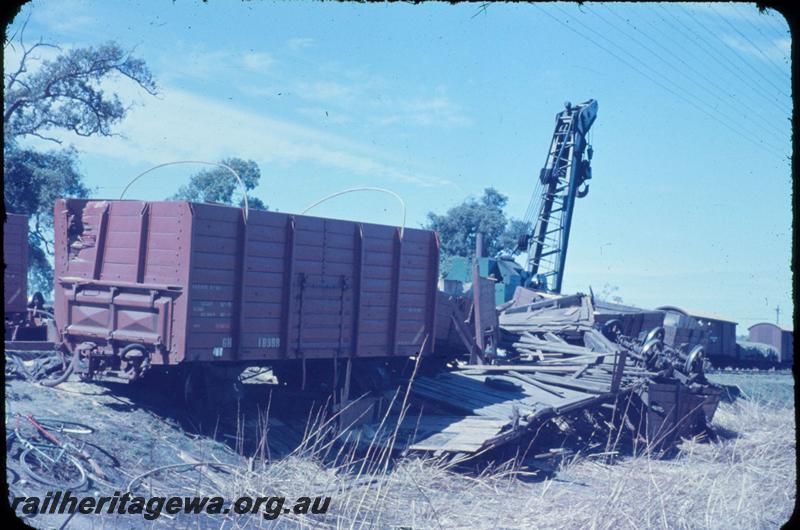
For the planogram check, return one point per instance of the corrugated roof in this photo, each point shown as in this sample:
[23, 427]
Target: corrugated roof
[697, 314]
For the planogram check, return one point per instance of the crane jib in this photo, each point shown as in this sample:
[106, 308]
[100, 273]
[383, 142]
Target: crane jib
[563, 178]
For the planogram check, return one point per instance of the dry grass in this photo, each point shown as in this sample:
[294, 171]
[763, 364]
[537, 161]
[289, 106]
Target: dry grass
[744, 479]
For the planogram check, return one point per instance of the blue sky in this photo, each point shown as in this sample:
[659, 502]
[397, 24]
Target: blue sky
[690, 203]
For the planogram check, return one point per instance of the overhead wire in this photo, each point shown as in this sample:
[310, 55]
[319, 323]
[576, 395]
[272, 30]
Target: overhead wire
[728, 46]
[739, 74]
[783, 67]
[769, 60]
[768, 125]
[646, 65]
[780, 27]
[656, 81]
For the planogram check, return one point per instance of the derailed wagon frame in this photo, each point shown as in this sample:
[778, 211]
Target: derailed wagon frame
[141, 285]
[559, 361]
[144, 286]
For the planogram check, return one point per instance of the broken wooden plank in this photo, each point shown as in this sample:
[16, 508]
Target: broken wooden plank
[568, 382]
[536, 383]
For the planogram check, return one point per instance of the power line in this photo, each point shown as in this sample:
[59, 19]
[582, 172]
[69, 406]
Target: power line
[650, 78]
[737, 55]
[780, 71]
[769, 128]
[781, 66]
[699, 38]
[772, 18]
[646, 65]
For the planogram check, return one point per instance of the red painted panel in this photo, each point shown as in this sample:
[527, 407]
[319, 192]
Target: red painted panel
[276, 286]
[15, 257]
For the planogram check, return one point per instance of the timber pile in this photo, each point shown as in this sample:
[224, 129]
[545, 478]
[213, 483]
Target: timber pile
[556, 361]
[559, 337]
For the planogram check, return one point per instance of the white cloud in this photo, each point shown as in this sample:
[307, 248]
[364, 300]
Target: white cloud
[382, 107]
[257, 61]
[300, 43]
[325, 116]
[203, 64]
[338, 88]
[182, 125]
[327, 91]
[435, 111]
[64, 16]
[768, 52]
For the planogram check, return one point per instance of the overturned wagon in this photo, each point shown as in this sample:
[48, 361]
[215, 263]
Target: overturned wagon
[147, 284]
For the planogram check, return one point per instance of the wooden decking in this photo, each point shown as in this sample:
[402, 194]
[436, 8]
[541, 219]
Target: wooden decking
[475, 409]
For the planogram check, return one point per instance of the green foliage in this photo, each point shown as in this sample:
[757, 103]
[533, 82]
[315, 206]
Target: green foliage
[515, 229]
[32, 181]
[458, 227]
[41, 96]
[64, 93]
[217, 184]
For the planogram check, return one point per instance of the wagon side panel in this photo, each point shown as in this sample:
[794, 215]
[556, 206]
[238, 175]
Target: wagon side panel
[15, 257]
[121, 275]
[212, 325]
[325, 288]
[417, 287]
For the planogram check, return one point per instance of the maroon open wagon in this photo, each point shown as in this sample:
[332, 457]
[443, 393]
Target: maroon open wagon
[28, 325]
[163, 283]
[15, 258]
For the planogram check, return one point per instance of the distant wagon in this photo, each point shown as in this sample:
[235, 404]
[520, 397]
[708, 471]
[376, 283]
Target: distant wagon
[780, 338]
[27, 323]
[15, 259]
[146, 284]
[717, 334]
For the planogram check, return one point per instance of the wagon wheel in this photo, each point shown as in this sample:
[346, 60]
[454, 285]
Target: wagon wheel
[655, 333]
[694, 361]
[651, 347]
[208, 398]
[195, 394]
[50, 465]
[612, 329]
[650, 351]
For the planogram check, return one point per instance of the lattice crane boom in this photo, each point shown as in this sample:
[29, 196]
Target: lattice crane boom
[562, 179]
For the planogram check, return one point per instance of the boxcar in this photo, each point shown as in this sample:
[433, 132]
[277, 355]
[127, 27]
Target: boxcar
[140, 284]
